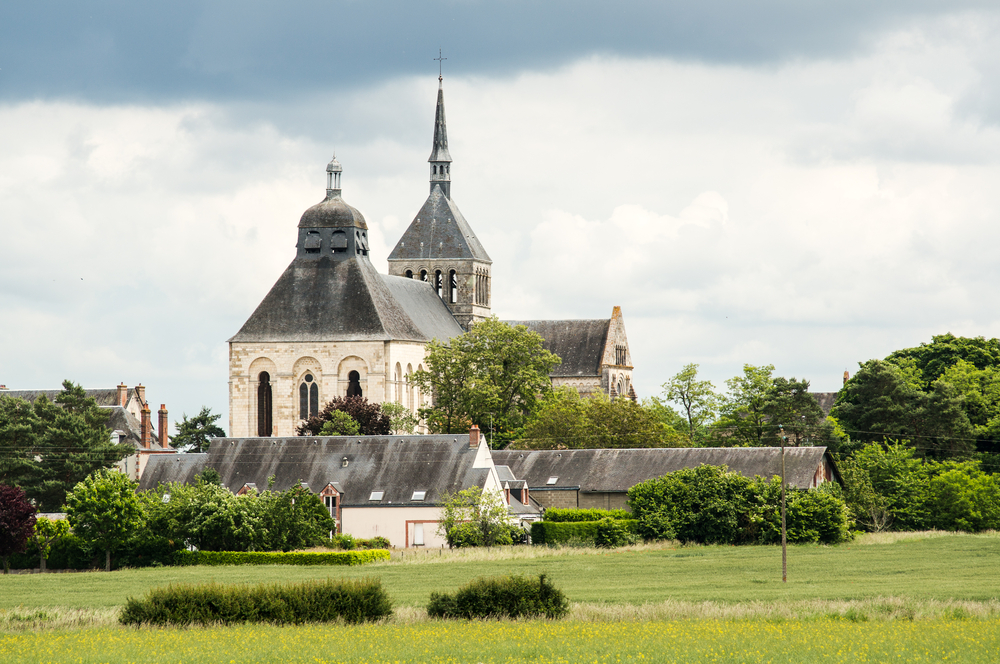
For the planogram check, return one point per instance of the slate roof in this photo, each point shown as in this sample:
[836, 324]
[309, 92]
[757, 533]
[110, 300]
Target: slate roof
[327, 300]
[439, 231]
[428, 312]
[580, 343]
[103, 397]
[120, 419]
[616, 470]
[396, 465]
[332, 212]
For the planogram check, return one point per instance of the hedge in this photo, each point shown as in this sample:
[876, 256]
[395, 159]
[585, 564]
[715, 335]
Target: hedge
[278, 557]
[557, 532]
[501, 597]
[352, 601]
[564, 515]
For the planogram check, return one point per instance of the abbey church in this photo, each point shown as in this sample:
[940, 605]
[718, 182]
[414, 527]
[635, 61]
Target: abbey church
[332, 325]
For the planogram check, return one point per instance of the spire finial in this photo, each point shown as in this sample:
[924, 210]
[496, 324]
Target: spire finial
[440, 60]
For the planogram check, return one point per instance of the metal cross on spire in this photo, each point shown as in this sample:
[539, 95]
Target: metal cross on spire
[440, 62]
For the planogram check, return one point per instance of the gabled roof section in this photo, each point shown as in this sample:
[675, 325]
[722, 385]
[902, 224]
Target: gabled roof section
[616, 470]
[119, 419]
[439, 231]
[103, 397]
[326, 300]
[394, 465]
[579, 343]
[430, 314]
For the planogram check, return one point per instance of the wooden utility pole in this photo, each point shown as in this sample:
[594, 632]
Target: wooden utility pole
[784, 540]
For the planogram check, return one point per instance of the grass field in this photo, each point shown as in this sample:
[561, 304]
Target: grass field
[924, 567]
[900, 598]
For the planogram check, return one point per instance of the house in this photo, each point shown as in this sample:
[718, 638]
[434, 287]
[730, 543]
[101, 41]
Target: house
[128, 420]
[386, 486]
[601, 478]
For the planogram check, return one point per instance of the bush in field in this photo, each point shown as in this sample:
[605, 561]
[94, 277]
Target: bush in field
[278, 557]
[104, 511]
[313, 601]
[501, 597]
[17, 522]
[612, 533]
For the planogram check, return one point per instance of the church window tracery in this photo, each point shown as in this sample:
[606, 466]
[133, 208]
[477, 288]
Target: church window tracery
[264, 408]
[308, 397]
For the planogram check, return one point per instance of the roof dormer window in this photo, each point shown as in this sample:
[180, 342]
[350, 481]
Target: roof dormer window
[313, 242]
[338, 242]
[376, 495]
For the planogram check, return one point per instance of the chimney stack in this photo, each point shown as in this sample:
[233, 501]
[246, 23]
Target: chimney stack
[144, 426]
[162, 430]
[524, 494]
[140, 392]
[474, 436]
[121, 396]
[847, 377]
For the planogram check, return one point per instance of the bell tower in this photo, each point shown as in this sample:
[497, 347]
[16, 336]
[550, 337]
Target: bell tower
[439, 246]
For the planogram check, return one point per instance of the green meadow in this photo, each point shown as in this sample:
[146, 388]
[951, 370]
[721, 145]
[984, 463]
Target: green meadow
[913, 597]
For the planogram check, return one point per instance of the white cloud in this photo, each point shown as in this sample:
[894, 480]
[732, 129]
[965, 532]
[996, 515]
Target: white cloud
[810, 215]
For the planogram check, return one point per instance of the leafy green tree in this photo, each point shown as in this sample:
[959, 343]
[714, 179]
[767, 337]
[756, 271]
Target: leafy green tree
[47, 533]
[878, 403]
[17, 522]
[402, 421]
[789, 404]
[946, 350]
[493, 371]
[372, 421]
[46, 447]
[743, 414]
[697, 399]
[473, 517]
[340, 424]
[565, 420]
[104, 511]
[195, 434]
[964, 498]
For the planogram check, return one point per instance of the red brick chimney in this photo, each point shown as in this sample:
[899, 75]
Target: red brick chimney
[524, 494]
[141, 393]
[162, 429]
[121, 396]
[145, 426]
[474, 436]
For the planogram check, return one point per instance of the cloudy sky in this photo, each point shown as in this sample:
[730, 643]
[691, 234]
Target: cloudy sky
[804, 184]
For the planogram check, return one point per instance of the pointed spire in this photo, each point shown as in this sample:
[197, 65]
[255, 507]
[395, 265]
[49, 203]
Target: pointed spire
[440, 159]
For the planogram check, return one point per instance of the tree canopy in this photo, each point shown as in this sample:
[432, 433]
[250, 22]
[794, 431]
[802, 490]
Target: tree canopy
[46, 447]
[17, 522]
[565, 420]
[104, 511]
[368, 415]
[195, 434]
[494, 371]
[697, 399]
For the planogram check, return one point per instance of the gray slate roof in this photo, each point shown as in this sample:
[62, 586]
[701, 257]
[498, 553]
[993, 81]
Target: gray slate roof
[120, 419]
[396, 465]
[443, 232]
[580, 343]
[430, 314]
[332, 212]
[103, 397]
[327, 300]
[616, 470]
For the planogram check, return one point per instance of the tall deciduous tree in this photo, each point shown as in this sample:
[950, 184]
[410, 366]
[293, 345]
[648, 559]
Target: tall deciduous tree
[567, 421]
[697, 398]
[17, 522]
[195, 434]
[104, 511]
[789, 404]
[744, 419]
[47, 533]
[46, 447]
[473, 517]
[494, 371]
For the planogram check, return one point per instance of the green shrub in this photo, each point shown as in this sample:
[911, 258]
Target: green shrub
[345, 542]
[501, 597]
[612, 533]
[566, 515]
[312, 601]
[375, 543]
[278, 558]
[559, 532]
[656, 525]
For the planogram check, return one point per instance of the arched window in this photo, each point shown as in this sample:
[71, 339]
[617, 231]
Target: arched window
[308, 397]
[354, 384]
[453, 287]
[264, 405]
[399, 383]
[409, 386]
[409, 274]
[439, 284]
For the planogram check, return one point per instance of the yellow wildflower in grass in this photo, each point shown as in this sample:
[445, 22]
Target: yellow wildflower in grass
[824, 640]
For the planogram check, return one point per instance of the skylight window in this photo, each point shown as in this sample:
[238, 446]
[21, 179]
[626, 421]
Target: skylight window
[552, 480]
[376, 495]
[419, 495]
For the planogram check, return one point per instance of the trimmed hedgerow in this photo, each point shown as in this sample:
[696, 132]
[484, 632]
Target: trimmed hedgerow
[278, 557]
[557, 532]
[501, 597]
[565, 515]
[352, 601]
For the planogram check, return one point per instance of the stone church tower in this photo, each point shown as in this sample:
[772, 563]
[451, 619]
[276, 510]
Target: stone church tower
[439, 246]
